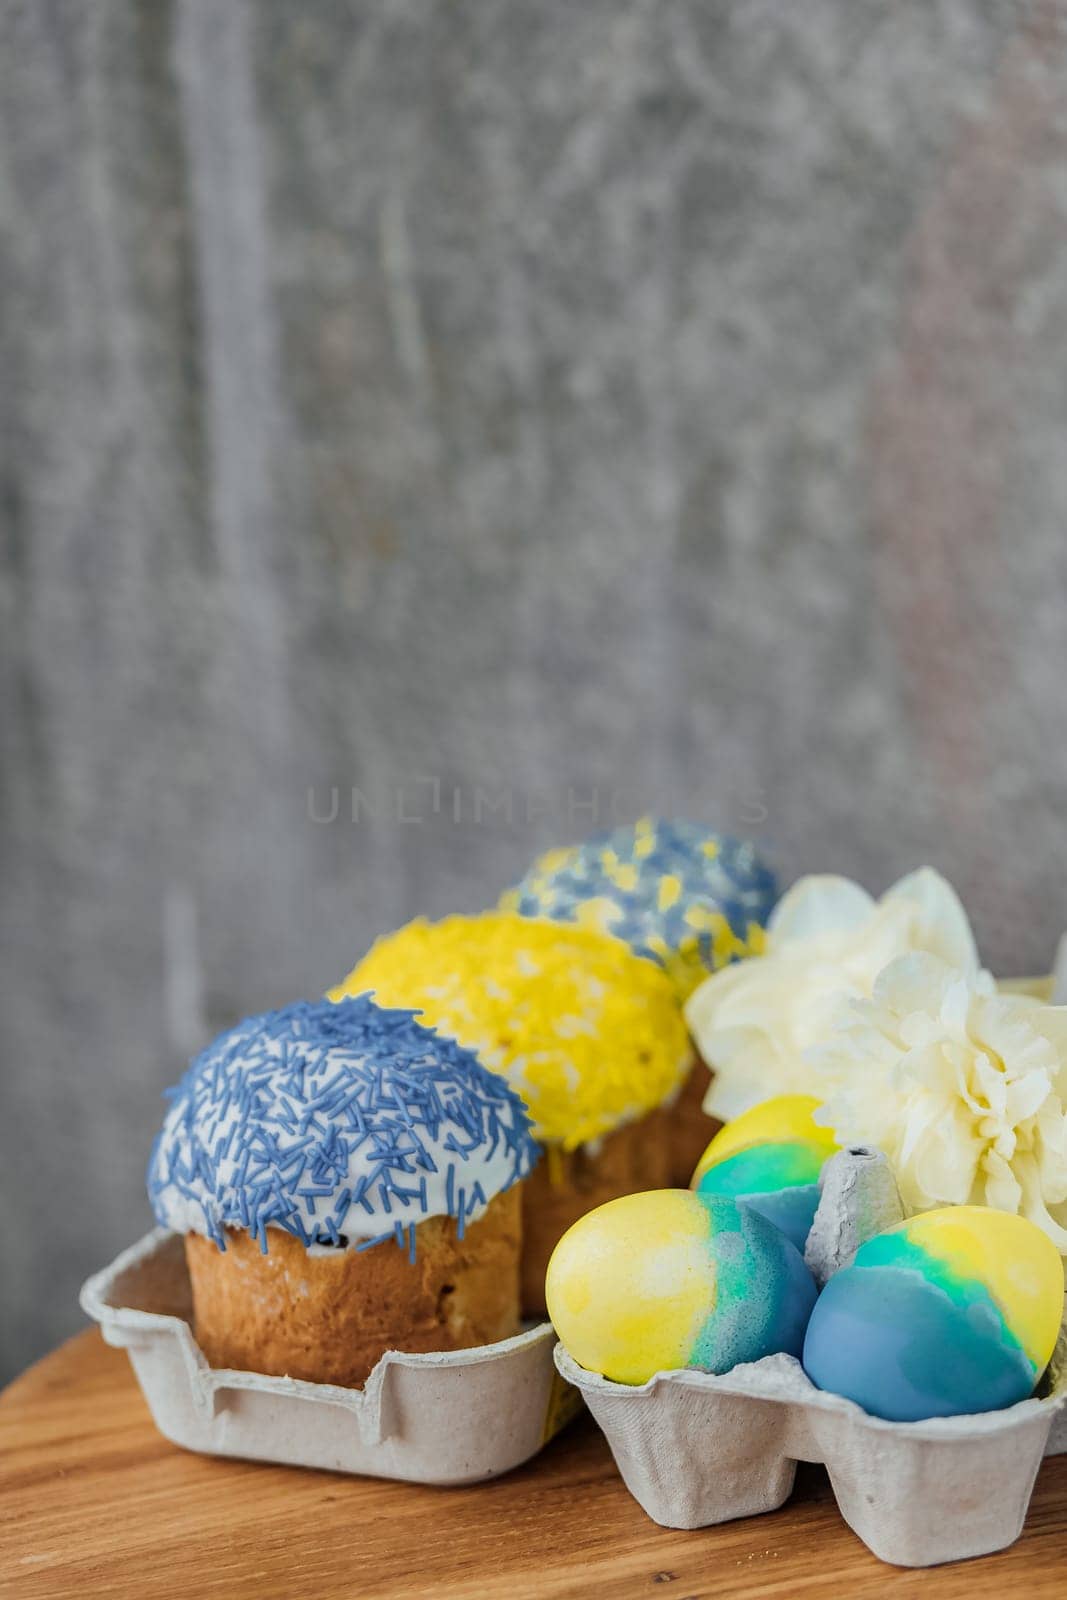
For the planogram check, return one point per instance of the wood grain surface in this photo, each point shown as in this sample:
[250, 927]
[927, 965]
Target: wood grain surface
[93, 1501]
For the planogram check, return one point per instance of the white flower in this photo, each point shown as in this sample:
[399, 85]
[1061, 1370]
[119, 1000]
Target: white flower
[962, 1086]
[753, 1021]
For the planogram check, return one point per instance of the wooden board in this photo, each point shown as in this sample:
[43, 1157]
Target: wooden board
[94, 1502]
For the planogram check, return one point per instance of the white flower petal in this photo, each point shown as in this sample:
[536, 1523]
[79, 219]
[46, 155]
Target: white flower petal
[817, 905]
[1034, 1206]
[909, 984]
[1002, 1189]
[942, 924]
[1026, 1095]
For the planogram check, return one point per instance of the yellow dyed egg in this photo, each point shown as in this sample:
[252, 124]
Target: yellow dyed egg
[669, 1279]
[771, 1157]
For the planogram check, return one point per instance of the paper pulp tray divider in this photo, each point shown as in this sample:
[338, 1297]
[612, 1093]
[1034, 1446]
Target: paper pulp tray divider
[447, 1417]
[695, 1449]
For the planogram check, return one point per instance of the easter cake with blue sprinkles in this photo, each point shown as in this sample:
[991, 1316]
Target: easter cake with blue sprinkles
[678, 894]
[347, 1181]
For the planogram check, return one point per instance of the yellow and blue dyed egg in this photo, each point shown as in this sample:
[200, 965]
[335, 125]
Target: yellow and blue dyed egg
[770, 1157]
[953, 1311]
[669, 1279]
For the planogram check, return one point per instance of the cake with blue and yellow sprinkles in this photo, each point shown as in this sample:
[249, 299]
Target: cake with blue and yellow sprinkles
[589, 1034]
[348, 1183]
[678, 894]
[675, 892]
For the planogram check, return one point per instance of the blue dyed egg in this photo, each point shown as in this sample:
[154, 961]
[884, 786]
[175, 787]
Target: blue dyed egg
[951, 1312]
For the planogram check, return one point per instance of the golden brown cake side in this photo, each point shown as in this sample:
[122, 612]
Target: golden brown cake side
[690, 1128]
[566, 1184]
[329, 1317]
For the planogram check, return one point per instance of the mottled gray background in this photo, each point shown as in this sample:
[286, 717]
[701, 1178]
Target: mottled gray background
[655, 404]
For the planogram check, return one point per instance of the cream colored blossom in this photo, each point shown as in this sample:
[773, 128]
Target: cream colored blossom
[962, 1086]
[753, 1021]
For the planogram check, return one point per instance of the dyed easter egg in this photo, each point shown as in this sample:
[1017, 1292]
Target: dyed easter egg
[953, 1311]
[770, 1157]
[668, 1279]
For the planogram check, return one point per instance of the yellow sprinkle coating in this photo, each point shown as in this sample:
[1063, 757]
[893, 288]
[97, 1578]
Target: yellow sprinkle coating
[685, 965]
[669, 892]
[588, 1033]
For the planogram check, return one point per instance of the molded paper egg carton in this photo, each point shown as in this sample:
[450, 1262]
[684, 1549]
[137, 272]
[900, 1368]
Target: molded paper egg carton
[452, 1417]
[694, 1449]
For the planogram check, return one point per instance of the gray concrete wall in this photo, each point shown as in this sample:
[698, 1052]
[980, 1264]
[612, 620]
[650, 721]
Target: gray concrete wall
[662, 401]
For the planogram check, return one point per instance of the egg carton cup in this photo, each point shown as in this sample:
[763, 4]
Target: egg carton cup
[695, 1449]
[453, 1417]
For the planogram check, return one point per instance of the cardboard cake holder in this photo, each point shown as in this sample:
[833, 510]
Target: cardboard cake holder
[694, 1449]
[451, 1417]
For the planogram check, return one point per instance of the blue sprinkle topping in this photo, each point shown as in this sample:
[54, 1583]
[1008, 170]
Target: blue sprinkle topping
[335, 1105]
